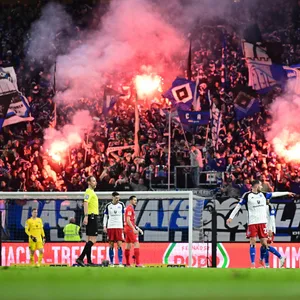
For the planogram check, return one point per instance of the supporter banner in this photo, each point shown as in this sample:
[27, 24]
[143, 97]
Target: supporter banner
[161, 220]
[8, 80]
[263, 74]
[194, 117]
[256, 52]
[262, 77]
[229, 255]
[113, 149]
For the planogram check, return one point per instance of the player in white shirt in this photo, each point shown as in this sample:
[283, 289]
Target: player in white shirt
[256, 204]
[271, 226]
[113, 225]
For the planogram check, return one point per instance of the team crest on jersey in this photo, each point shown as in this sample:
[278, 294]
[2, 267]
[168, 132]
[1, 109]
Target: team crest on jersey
[258, 201]
[115, 212]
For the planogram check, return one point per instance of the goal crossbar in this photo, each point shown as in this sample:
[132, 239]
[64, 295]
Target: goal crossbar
[101, 195]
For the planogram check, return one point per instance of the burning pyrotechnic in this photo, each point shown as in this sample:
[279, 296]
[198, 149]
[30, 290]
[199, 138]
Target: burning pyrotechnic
[284, 133]
[287, 146]
[147, 84]
[58, 149]
[59, 142]
[56, 157]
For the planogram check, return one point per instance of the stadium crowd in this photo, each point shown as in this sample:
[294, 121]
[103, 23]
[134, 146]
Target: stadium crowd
[243, 152]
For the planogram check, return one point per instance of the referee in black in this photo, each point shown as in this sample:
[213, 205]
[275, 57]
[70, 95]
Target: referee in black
[91, 210]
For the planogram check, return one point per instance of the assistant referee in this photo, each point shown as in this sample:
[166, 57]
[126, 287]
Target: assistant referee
[91, 211]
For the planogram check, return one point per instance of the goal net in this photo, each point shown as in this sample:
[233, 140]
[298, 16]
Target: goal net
[171, 220]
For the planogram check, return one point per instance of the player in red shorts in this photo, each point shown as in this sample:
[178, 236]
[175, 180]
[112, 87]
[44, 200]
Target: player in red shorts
[256, 204]
[264, 260]
[113, 226]
[132, 232]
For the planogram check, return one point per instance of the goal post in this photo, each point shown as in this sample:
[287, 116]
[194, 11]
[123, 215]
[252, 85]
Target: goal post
[173, 217]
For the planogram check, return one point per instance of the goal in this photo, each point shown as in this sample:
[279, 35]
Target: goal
[171, 220]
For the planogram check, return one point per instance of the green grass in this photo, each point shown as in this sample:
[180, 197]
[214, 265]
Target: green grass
[148, 283]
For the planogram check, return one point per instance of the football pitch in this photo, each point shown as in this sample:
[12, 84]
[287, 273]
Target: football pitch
[147, 283]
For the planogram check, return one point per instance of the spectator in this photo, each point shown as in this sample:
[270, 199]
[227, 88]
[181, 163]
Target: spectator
[295, 186]
[229, 190]
[140, 186]
[266, 186]
[242, 149]
[196, 164]
[72, 231]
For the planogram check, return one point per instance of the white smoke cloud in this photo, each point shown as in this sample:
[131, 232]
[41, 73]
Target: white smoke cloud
[44, 33]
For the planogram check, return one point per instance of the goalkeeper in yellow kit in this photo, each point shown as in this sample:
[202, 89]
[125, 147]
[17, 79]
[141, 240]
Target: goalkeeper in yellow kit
[35, 231]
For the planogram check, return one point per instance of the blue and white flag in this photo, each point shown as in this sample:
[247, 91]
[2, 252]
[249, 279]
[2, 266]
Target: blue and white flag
[215, 126]
[8, 80]
[263, 77]
[245, 106]
[111, 97]
[194, 117]
[181, 94]
[263, 74]
[19, 109]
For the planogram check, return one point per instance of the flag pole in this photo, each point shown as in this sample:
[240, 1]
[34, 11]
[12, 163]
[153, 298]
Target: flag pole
[54, 77]
[210, 116]
[189, 62]
[183, 133]
[196, 103]
[136, 127]
[169, 151]
[87, 141]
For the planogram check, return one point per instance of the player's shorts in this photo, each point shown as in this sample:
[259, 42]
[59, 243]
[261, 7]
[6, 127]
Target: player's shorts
[36, 245]
[115, 234]
[259, 230]
[130, 236]
[271, 239]
[92, 225]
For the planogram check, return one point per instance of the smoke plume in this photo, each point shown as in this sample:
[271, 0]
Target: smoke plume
[48, 33]
[133, 33]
